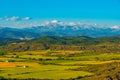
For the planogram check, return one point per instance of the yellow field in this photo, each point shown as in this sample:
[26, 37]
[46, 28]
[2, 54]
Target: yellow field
[87, 62]
[39, 52]
[15, 64]
[54, 65]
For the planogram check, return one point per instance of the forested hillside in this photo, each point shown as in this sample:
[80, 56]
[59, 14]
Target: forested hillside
[103, 44]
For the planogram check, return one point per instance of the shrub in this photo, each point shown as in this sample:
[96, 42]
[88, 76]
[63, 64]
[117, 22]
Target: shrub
[1, 78]
[1, 53]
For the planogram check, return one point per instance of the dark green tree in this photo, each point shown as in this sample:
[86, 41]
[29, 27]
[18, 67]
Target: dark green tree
[2, 53]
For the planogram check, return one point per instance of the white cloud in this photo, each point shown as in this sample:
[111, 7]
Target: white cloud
[26, 18]
[71, 24]
[115, 27]
[18, 22]
[14, 18]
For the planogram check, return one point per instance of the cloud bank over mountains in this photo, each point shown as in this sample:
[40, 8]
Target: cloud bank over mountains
[26, 27]
[28, 22]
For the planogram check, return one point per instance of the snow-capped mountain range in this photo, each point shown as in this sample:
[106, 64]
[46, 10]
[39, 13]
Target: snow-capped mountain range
[58, 28]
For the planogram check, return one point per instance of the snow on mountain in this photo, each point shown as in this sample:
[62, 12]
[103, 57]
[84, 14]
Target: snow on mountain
[58, 28]
[115, 27]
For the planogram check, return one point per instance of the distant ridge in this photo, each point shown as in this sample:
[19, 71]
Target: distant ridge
[65, 40]
[60, 29]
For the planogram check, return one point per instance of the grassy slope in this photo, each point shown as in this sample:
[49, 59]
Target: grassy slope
[65, 64]
[97, 67]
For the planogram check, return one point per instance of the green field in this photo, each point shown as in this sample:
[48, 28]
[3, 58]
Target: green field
[43, 72]
[56, 66]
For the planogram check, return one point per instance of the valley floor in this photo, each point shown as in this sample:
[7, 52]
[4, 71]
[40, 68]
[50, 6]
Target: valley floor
[60, 65]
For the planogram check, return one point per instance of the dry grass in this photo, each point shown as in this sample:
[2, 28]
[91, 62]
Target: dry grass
[87, 62]
[15, 64]
[39, 52]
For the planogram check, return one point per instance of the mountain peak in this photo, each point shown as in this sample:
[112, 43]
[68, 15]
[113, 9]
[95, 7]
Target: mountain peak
[54, 21]
[58, 28]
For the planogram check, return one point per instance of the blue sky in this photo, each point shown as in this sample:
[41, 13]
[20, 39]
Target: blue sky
[94, 10]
